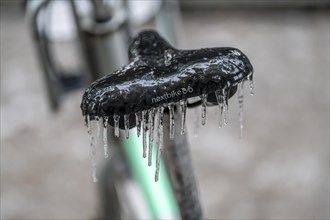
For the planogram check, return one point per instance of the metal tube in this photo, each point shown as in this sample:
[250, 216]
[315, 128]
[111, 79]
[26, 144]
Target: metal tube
[179, 167]
[101, 11]
[105, 43]
[43, 53]
[159, 195]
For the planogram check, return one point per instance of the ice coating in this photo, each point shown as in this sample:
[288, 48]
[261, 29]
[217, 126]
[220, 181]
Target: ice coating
[159, 74]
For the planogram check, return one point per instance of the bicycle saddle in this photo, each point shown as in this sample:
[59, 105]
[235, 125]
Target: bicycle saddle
[159, 74]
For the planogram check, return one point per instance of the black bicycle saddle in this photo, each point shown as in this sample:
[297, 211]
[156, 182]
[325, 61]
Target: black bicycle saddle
[159, 74]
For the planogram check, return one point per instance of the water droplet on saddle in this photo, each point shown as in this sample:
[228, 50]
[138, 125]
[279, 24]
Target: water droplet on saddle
[168, 57]
[214, 61]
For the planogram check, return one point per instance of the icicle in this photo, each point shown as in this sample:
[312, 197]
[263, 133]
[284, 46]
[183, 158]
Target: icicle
[171, 109]
[203, 98]
[196, 127]
[138, 119]
[159, 140]
[144, 132]
[240, 107]
[225, 106]
[98, 124]
[87, 121]
[251, 84]
[183, 105]
[92, 148]
[105, 137]
[126, 125]
[220, 105]
[251, 88]
[116, 124]
[151, 134]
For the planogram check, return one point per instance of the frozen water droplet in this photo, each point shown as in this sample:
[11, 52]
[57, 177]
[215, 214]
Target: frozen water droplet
[116, 124]
[196, 127]
[203, 98]
[240, 107]
[251, 85]
[126, 125]
[183, 105]
[138, 117]
[168, 57]
[171, 110]
[159, 140]
[225, 105]
[92, 148]
[105, 137]
[98, 124]
[87, 121]
[151, 134]
[220, 105]
[144, 132]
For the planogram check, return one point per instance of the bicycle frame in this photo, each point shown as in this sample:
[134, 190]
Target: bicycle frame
[179, 166]
[104, 48]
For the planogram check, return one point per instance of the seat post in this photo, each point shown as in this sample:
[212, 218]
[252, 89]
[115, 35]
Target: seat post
[179, 167]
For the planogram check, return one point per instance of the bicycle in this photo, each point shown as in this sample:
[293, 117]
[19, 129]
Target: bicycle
[180, 173]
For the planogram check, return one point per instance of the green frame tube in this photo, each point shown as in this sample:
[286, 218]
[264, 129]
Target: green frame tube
[159, 195]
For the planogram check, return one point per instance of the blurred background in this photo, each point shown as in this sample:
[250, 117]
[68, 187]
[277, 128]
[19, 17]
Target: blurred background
[279, 170]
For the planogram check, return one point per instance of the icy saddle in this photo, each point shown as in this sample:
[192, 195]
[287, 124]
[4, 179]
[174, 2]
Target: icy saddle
[159, 74]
